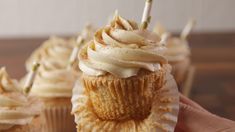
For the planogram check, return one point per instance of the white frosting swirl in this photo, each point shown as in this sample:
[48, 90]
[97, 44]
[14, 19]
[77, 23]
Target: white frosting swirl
[53, 80]
[15, 107]
[121, 49]
[55, 48]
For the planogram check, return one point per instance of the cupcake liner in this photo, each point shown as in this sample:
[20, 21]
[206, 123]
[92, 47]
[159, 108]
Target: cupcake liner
[118, 99]
[162, 118]
[179, 70]
[59, 119]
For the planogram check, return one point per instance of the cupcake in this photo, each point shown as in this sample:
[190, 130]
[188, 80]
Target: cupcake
[162, 117]
[123, 71]
[55, 48]
[18, 112]
[53, 85]
[55, 80]
[178, 52]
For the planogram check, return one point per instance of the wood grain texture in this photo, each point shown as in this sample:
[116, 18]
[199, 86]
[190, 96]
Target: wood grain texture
[213, 56]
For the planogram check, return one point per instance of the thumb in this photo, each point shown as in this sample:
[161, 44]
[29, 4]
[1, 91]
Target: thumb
[193, 120]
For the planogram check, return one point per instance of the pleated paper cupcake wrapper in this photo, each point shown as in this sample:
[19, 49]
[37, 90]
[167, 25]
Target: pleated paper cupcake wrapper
[59, 119]
[163, 116]
[121, 99]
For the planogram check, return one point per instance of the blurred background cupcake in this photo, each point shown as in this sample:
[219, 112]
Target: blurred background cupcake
[18, 112]
[53, 85]
[178, 51]
[56, 77]
[55, 48]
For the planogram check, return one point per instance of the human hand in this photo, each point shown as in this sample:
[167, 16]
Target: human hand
[194, 118]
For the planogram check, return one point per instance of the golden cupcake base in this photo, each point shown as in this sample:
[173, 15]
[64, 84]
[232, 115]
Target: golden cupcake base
[162, 118]
[114, 98]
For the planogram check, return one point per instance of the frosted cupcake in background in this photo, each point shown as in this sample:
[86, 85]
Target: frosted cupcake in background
[124, 77]
[53, 85]
[178, 51]
[18, 112]
[56, 77]
[59, 48]
[54, 48]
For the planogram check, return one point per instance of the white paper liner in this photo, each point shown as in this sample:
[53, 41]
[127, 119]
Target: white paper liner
[163, 117]
[59, 119]
[77, 93]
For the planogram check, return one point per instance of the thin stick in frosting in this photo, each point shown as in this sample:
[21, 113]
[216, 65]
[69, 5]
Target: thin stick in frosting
[146, 14]
[164, 38]
[30, 78]
[188, 28]
[75, 51]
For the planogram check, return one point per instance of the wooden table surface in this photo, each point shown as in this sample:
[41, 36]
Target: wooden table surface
[212, 54]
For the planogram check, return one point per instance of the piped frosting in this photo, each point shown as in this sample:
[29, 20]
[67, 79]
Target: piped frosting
[15, 107]
[53, 80]
[121, 49]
